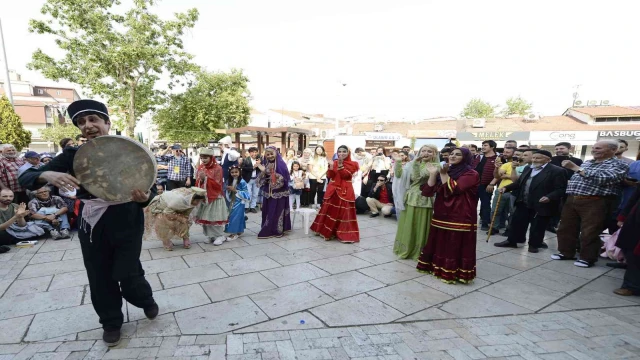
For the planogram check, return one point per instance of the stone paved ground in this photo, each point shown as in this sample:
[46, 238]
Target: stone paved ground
[246, 300]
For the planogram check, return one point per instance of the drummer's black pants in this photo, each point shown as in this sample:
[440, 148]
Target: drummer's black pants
[113, 266]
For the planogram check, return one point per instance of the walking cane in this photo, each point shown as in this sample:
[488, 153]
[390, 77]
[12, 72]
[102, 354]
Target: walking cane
[493, 218]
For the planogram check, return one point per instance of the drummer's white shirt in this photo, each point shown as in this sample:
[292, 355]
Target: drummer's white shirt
[232, 155]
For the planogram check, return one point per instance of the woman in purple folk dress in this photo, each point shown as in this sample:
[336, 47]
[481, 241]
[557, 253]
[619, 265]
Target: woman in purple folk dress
[274, 183]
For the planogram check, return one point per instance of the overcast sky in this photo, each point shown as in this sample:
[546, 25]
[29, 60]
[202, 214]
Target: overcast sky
[414, 59]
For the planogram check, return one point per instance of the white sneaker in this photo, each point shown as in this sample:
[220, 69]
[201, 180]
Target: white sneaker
[64, 233]
[208, 240]
[219, 240]
[232, 237]
[55, 235]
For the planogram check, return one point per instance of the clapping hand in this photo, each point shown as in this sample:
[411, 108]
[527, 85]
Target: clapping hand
[432, 169]
[568, 164]
[444, 170]
[22, 210]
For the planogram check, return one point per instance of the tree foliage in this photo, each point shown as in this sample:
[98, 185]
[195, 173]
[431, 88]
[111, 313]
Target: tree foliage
[116, 55]
[477, 108]
[59, 131]
[517, 106]
[214, 101]
[11, 130]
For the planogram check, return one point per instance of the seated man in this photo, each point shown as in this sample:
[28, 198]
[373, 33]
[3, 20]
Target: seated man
[50, 213]
[13, 226]
[381, 198]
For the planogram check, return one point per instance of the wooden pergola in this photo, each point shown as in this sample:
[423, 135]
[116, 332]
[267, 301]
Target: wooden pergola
[250, 135]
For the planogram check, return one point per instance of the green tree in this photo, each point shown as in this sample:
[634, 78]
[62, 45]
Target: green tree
[477, 108]
[58, 132]
[11, 130]
[517, 106]
[214, 101]
[115, 53]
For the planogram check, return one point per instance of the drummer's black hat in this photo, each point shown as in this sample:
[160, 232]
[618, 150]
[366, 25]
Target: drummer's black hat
[87, 107]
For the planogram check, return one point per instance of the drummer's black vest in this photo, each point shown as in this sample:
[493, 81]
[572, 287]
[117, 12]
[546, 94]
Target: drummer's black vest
[226, 164]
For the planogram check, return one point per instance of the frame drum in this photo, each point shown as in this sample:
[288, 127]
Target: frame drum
[110, 167]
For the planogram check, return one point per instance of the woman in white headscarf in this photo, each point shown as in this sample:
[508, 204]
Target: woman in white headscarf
[168, 215]
[416, 210]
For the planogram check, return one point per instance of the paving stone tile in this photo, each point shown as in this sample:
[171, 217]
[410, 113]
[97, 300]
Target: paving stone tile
[358, 310]
[588, 299]
[70, 279]
[178, 250]
[46, 257]
[454, 290]
[162, 265]
[30, 304]
[192, 350]
[209, 258]
[391, 273]
[493, 272]
[220, 317]
[347, 284]
[296, 257]
[225, 246]
[259, 250]
[340, 264]
[122, 354]
[567, 267]
[299, 244]
[12, 330]
[174, 299]
[515, 261]
[163, 325]
[335, 249]
[189, 276]
[76, 345]
[59, 245]
[58, 267]
[236, 286]
[289, 299]
[235, 345]
[297, 321]
[477, 304]
[289, 275]
[28, 286]
[60, 322]
[51, 356]
[552, 280]
[187, 340]
[244, 266]
[260, 347]
[77, 355]
[145, 342]
[527, 295]
[211, 339]
[409, 296]
[144, 255]
[376, 256]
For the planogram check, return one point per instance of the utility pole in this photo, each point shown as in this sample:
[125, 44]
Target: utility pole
[6, 66]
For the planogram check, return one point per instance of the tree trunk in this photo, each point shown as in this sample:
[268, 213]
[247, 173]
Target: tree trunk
[131, 121]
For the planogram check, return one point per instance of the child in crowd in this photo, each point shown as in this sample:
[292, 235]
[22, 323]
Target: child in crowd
[296, 185]
[237, 196]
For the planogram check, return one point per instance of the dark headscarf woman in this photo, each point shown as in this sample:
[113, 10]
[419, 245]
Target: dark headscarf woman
[274, 182]
[450, 253]
[337, 216]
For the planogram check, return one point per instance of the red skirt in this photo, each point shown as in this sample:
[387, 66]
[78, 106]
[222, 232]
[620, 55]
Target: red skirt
[337, 218]
[449, 255]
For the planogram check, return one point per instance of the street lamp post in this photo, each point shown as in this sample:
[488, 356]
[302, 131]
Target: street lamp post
[6, 65]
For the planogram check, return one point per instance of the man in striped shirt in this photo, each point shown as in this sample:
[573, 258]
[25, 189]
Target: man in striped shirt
[10, 165]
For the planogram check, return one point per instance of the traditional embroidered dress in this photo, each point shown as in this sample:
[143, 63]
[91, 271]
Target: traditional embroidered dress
[213, 214]
[274, 183]
[450, 253]
[238, 201]
[168, 215]
[337, 216]
[415, 210]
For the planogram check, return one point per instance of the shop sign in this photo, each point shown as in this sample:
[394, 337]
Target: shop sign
[378, 143]
[564, 135]
[620, 133]
[493, 135]
[382, 136]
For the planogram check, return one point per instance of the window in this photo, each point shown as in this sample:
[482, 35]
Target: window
[618, 119]
[40, 91]
[58, 92]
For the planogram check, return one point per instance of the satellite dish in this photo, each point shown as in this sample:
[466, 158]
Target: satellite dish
[592, 103]
[577, 102]
[604, 102]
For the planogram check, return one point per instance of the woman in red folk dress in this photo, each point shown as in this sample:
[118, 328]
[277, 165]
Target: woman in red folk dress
[450, 253]
[337, 216]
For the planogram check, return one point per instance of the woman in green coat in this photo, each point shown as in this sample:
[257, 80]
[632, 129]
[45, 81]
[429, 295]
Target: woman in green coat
[415, 216]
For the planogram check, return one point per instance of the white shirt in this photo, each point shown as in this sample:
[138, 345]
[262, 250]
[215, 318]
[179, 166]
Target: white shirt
[232, 155]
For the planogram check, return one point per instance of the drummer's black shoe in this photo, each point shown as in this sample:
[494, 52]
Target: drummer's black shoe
[506, 243]
[151, 312]
[4, 249]
[111, 337]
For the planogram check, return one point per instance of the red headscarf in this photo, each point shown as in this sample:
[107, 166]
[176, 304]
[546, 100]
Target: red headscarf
[213, 180]
[343, 186]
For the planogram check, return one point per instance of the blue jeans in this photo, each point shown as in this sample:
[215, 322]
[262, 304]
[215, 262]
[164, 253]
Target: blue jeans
[485, 205]
[64, 220]
[504, 209]
[253, 190]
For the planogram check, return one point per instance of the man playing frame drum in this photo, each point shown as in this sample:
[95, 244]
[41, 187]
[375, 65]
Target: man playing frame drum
[110, 232]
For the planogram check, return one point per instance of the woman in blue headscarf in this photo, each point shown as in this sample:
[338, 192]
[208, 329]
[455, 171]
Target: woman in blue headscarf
[274, 183]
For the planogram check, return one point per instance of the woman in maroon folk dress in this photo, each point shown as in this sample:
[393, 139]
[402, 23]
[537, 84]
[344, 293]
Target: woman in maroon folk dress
[337, 216]
[450, 253]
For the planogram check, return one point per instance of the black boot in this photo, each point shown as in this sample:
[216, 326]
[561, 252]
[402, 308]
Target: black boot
[111, 337]
[151, 312]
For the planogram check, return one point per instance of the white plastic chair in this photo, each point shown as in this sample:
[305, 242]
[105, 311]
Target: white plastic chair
[306, 215]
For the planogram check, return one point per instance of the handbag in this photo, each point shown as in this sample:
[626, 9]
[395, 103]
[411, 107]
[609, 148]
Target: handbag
[298, 183]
